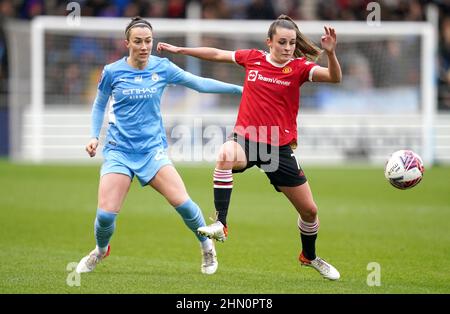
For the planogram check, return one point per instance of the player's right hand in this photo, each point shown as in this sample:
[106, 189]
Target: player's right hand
[91, 147]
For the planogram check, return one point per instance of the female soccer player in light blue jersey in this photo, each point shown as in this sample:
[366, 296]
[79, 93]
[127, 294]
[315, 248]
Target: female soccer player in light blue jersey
[136, 143]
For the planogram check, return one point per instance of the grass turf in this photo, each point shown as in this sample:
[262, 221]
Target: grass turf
[47, 213]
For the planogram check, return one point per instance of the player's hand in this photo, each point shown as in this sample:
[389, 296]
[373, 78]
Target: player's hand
[329, 40]
[167, 47]
[91, 147]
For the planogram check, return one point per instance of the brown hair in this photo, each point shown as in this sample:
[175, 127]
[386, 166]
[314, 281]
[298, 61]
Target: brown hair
[304, 47]
[137, 21]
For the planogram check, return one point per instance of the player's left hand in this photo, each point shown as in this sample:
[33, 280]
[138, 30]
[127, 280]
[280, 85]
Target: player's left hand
[167, 47]
[329, 40]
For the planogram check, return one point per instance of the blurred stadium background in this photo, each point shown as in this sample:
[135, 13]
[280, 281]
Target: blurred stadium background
[395, 91]
[395, 94]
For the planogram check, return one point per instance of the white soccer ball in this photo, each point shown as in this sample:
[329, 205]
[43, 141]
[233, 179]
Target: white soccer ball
[404, 169]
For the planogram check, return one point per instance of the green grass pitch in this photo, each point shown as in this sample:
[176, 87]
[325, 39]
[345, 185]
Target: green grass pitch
[47, 213]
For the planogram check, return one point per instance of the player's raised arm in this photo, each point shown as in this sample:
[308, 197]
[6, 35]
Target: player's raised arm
[333, 73]
[205, 53]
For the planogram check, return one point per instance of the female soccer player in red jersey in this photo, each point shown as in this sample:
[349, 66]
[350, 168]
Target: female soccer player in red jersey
[265, 133]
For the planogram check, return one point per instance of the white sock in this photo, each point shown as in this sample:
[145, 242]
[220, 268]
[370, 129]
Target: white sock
[207, 245]
[102, 250]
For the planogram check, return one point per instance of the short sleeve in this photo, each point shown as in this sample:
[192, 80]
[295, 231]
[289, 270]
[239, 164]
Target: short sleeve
[105, 82]
[307, 69]
[241, 56]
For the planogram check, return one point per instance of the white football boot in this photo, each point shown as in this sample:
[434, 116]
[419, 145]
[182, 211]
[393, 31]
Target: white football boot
[88, 263]
[325, 269]
[216, 231]
[209, 261]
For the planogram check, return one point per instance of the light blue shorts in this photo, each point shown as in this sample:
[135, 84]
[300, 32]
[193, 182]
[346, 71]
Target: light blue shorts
[144, 165]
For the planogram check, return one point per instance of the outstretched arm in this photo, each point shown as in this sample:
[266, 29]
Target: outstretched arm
[98, 112]
[206, 85]
[333, 73]
[205, 53]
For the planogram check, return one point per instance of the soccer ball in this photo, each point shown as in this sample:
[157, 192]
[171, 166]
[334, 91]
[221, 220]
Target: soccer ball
[404, 169]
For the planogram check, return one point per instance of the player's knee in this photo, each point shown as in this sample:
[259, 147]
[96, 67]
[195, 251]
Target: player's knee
[309, 212]
[225, 158]
[109, 206]
[177, 198]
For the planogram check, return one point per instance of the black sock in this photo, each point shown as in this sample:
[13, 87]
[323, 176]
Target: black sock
[309, 246]
[308, 234]
[222, 201]
[223, 185]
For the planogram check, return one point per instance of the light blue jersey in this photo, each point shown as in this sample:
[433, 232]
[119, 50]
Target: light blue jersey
[135, 122]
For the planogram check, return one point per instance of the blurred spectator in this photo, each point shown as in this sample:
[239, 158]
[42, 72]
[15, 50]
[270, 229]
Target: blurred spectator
[157, 8]
[411, 10]
[444, 64]
[131, 10]
[32, 8]
[136, 8]
[414, 12]
[391, 10]
[394, 62]
[237, 8]
[260, 10]
[343, 9]
[3, 68]
[121, 6]
[215, 9]
[176, 9]
[7, 10]
[326, 10]
[56, 7]
[288, 7]
[110, 11]
[104, 8]
[93, 7]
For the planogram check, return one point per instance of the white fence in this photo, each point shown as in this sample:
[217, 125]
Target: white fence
[331, 139]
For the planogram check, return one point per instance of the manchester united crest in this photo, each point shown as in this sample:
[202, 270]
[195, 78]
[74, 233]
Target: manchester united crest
[287, 70]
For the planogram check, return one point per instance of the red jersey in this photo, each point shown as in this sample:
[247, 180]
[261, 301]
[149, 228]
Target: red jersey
[271, 97]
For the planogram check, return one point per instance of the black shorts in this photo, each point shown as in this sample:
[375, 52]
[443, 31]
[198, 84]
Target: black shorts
[278, 162]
